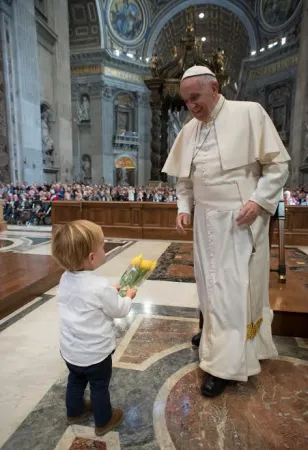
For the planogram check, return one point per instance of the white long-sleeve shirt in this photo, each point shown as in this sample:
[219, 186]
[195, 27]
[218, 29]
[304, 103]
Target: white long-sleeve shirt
[87, 306]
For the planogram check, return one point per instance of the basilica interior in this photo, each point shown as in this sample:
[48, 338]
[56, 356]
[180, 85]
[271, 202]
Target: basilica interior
[89, 110]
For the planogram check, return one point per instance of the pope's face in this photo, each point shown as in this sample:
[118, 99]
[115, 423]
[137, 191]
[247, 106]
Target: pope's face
[199, 96]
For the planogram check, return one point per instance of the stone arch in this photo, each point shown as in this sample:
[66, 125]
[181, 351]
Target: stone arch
[125, 93]
[170, 11]
[125, 170]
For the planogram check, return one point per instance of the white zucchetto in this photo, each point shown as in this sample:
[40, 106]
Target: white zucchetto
[196, 71]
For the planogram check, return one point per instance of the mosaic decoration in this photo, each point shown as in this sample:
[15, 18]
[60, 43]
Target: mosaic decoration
[5, 243]
[276, 13]
[231, 419]
[176, 264]
[127, 19]
[164, 409]
[80, 443]
[125, 162]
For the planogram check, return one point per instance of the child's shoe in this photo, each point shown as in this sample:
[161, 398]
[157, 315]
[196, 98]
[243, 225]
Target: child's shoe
[86, 412]
[116, 419]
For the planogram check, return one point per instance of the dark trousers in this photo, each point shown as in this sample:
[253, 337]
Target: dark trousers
[98, 376]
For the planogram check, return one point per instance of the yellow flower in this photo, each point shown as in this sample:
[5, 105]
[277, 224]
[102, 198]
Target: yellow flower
[135, 262]
[146, 264]
[154, 264]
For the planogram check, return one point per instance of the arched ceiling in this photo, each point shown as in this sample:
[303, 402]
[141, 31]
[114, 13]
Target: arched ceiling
[221, 28]
[84, 25]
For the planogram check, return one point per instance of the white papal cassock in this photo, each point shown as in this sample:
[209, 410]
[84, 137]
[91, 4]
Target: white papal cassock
[236, 158]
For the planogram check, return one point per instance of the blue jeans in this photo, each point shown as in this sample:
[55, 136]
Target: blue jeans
[98, 376]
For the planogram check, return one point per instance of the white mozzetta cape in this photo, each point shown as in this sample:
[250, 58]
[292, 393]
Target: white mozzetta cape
[245, 134]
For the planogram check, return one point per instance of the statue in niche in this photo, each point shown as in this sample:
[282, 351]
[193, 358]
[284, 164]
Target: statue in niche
[219, 62]
[48, 146]
[86, 167]
[84, 109]
[123, 120]
[154, 66]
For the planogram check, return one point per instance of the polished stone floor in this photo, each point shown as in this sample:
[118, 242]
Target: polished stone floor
[156, 378]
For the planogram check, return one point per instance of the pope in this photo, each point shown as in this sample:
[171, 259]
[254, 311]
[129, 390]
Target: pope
[232, 165]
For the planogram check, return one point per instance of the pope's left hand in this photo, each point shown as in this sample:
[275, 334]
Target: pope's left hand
[248, 214]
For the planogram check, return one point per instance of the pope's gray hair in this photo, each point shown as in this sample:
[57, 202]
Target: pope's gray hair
[207, 79]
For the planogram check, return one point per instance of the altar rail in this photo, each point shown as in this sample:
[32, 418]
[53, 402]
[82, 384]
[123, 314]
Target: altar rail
[139, 220]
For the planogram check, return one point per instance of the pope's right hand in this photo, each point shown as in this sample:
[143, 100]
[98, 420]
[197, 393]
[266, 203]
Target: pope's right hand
[182, 220]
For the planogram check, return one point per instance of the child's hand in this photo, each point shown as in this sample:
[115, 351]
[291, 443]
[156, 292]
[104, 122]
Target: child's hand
[131, 292]
[117, 287]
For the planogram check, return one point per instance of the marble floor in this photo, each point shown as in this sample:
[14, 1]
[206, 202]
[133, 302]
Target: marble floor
[156, 378]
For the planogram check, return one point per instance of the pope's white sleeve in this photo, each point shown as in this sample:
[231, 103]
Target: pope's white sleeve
[268, 191]
[184, 192]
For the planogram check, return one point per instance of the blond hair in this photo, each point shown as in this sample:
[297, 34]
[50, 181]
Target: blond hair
[73, 242]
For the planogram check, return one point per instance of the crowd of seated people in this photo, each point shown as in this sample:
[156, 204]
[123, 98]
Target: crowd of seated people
[26, 205]
[294, 197]
[30, 204]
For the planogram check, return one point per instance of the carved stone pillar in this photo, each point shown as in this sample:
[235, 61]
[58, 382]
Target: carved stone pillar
[4, 144]
[144, 115]
[109, 93]
[155, 85]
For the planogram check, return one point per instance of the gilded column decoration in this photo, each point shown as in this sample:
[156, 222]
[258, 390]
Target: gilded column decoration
[4, 144]
[164, 85]
[164, 141]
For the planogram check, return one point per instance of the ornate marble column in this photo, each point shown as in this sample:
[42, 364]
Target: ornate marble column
[107, 130]
[155, 85]
[299, 144]
[11, 90]
[144, 162]
[62, 89]
[28, 81]
[4, 142]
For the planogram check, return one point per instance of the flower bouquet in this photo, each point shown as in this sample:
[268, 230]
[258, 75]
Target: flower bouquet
[136, 273]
